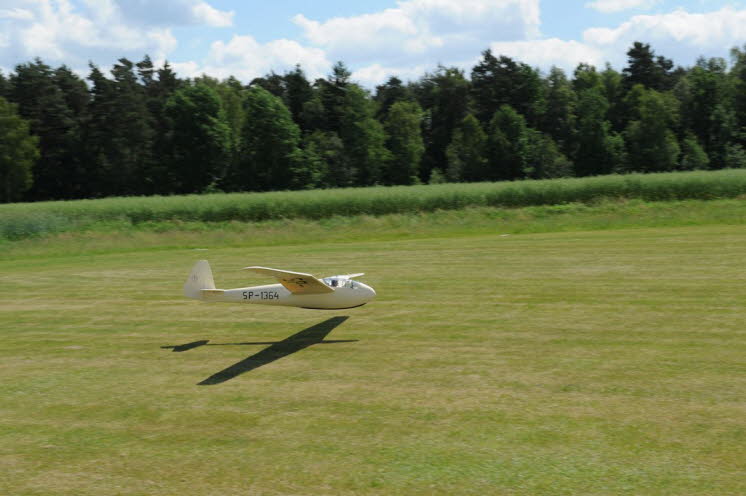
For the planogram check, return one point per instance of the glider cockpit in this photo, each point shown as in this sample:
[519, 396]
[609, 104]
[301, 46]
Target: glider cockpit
[342, 281]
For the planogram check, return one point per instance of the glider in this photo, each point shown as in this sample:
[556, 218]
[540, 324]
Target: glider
[295, 289]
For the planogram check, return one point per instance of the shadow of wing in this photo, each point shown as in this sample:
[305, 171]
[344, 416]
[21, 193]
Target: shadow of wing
[188, 346]
[303, 339]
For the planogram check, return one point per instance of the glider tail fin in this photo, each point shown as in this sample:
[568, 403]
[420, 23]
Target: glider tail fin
[199, 279]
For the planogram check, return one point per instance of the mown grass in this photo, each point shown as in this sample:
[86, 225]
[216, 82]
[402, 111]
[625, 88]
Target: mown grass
[24, 220]
[602, 362]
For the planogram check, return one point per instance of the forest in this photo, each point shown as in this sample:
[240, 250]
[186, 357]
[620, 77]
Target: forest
[142, 130]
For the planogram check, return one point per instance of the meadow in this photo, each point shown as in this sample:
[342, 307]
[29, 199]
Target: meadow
[567, 349]
[19, 221]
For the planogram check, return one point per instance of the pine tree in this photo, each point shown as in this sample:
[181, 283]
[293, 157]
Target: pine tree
[120, 134]
[444, 97]
[96, 133]
[614, 92]
[503, 81]
[38, 92]
[558, 119]
[4, 86]
[158, 86]
[738, 78]
[76, 96]
[648, 70]
[389, 93]
[297, 91]
[333, 94]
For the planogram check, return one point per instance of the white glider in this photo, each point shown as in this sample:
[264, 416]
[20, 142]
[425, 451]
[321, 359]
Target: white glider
[296, 289]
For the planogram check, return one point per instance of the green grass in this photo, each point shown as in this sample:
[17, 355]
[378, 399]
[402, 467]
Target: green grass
[24, 220]
[605, 361]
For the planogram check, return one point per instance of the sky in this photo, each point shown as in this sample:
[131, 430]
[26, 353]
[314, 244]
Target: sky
[376, 39]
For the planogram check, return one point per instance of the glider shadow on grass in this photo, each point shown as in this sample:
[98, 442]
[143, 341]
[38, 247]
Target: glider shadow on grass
[277, 349]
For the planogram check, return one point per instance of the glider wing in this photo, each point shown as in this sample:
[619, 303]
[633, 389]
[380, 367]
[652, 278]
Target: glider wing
[295, 282]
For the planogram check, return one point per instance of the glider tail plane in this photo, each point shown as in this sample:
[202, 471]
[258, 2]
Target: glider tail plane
[199, 279]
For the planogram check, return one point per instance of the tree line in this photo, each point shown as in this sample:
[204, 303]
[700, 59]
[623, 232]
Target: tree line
[142, 130]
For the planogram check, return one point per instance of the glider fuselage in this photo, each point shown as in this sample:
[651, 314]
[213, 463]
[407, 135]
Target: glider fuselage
[276, 294]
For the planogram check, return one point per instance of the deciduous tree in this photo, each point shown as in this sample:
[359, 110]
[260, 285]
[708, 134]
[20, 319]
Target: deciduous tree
[364, 138]
[325, 167]
[693, 157]
[600, 150]
[467, 152]
[403, 126]
[18, 153]
[544, 160]
[508, 145]
[269, 154]
[199, 139]
[651, 144]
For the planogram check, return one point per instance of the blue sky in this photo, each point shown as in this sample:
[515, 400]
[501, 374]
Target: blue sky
[375, 38]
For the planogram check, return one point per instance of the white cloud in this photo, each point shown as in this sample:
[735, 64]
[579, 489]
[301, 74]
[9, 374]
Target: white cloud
[376, 74]
[164, 12]
[211, 16]
[246, 59]
[188, 69]
[550, 52]
[73, 33]
[418, 31]
[407, 40]
[611, 6]
[678, 35]
[339, 32]
[17, 14]
[543, 53]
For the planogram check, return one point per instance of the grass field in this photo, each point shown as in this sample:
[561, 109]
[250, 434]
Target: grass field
[577, 362]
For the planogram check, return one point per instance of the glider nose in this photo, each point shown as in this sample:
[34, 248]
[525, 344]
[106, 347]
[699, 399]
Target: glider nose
[368, 293]
[371, 292]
